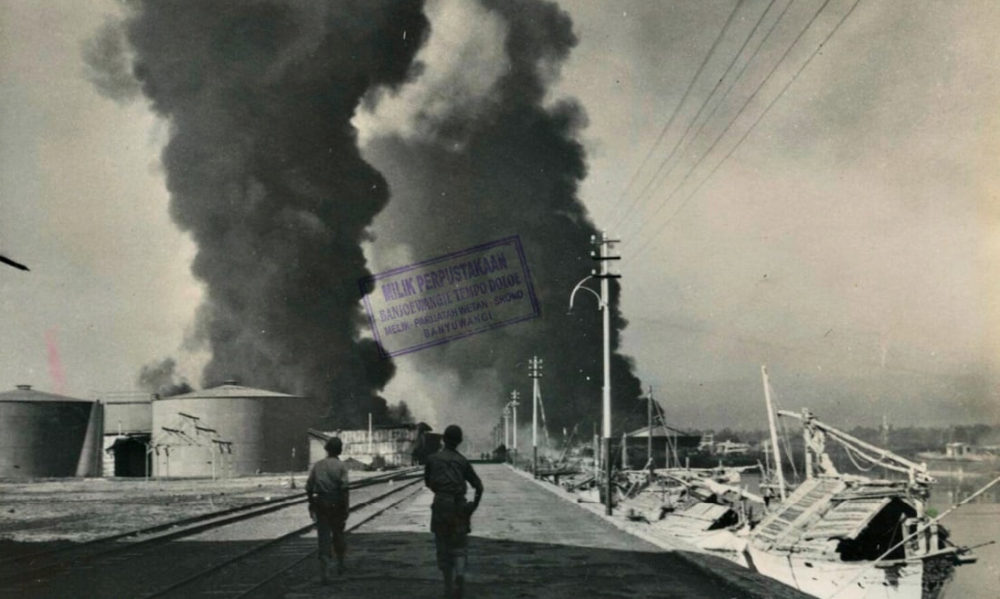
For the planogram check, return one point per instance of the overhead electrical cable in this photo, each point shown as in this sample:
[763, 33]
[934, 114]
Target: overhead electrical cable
[739, 113]
[746, 134]
[736, 79]
[749, 130]
[729, 89]
[677, 108]
[701, 109]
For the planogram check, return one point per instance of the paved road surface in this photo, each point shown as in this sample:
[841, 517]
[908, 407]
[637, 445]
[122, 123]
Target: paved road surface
[526, 542]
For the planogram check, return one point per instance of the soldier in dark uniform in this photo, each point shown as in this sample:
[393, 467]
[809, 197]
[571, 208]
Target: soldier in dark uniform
[329, 503]
[447, 473]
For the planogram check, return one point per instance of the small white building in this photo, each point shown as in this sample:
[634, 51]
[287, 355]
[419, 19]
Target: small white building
[398, 445]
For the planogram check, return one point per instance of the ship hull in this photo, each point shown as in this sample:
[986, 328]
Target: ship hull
[847, 580]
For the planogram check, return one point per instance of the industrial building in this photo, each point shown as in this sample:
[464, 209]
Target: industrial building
[669, 445]
[128, 425]
[230, 430]
[399, 445]
[48, 435]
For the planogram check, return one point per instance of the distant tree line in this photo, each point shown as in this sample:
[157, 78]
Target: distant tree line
[904, 439]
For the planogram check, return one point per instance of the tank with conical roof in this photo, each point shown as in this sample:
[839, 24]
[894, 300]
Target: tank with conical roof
[230, 430]
[44, 434]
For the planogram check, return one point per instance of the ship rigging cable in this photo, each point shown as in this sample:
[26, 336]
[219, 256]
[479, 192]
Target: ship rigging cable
[767, 110]
[783, 437]
[850, 454]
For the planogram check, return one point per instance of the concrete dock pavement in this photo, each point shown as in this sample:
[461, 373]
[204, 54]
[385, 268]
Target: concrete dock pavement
[526, 542]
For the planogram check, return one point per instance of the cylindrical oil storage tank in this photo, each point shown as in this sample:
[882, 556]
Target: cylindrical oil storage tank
[231, 430]
[42, 434]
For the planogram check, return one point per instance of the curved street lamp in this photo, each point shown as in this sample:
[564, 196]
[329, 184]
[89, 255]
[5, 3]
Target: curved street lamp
[579, 286]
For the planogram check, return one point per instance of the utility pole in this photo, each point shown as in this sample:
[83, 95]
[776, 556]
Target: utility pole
[535, 372]
[506, 430]
[597, 456]
[603, 255]
[513, 404]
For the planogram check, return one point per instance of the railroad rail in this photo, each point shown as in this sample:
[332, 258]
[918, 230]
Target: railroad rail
[200, 585]
[122, 549]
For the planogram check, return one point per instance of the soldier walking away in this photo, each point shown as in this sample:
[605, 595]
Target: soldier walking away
[446, 474]
[329, 502]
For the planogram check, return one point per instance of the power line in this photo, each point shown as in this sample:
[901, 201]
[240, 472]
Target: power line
[739, 113]
[708, 98]
[677, 109]
[746, 134]
[733, 82]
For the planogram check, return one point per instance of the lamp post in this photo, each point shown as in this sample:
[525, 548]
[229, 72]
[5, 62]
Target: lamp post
[603, 256]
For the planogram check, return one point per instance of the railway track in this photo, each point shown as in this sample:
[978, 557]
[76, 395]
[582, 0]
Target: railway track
[225, 554]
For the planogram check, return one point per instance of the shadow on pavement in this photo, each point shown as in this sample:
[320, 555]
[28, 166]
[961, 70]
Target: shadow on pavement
[402, 564]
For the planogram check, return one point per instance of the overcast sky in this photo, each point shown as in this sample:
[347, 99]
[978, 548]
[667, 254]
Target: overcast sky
[850, 241]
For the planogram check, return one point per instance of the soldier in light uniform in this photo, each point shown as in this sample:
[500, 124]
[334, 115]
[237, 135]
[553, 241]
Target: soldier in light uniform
[446, 474]
[329, 503]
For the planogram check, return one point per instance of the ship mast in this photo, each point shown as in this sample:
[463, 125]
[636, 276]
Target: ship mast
[774, 434]
[917, 472]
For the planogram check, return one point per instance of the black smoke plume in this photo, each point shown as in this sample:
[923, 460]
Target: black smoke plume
[264, 172]
[510, 164]
[162, 379]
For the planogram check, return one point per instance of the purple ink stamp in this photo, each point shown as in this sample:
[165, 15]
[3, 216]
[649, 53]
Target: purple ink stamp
[451, 297]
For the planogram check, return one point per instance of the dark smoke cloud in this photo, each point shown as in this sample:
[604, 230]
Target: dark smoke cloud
[161, 378]
[264, 173]
[109, 67]
[512, 166]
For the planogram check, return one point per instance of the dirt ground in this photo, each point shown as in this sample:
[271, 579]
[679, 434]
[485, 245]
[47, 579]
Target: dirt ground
[49, 512]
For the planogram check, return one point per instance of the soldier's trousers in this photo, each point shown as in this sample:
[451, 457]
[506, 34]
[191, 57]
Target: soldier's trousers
[330, 523]
[452, 551]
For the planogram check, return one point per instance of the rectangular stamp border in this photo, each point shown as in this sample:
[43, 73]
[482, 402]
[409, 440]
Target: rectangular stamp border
[365, 282]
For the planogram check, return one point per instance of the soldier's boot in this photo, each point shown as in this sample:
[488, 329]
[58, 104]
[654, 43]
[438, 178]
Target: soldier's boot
[459, 577]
